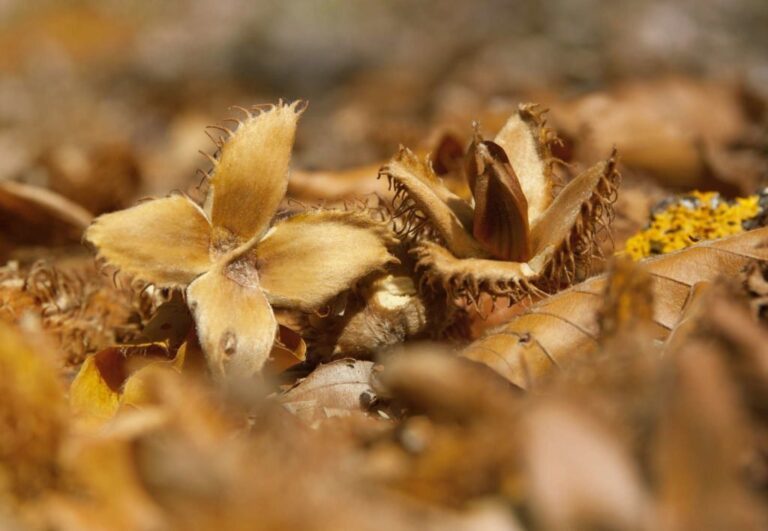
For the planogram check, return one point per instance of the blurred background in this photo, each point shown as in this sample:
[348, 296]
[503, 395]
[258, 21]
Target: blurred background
[106, 100]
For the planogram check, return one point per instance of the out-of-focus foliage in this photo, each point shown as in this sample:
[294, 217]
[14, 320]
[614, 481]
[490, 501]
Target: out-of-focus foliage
[250, 354]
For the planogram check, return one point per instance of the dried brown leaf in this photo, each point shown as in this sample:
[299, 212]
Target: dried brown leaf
[339, 388]
[33, 215]
[110, 378]
[288, 350]
[579, 475]
[703, 442]
[658, 126]
[32, 416]
[565, 326]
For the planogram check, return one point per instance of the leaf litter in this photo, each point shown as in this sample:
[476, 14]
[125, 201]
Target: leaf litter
[525, 320]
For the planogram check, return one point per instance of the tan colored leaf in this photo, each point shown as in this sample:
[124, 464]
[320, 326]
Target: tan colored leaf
[326, 185]
[33, 215]
[163, 241]
[90, 396]
[306, 260]
[251, 175]
[579, 474]
[565, 326]
[288, 350]
[235, 323]
[658, 126]
[97, 391]
[334, 389]
[429, 379]
[101, 176]
[525, 140]
[701, 446]
[32, 416]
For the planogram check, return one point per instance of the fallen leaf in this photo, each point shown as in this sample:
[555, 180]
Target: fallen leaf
[97, 391]
[36, 216]
[339, 388]
[564, 327]
[580, 476]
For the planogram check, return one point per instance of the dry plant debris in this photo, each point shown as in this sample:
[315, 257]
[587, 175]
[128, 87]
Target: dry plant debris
[563, 328]
[246, 361]
[232, 263]
[513, 239]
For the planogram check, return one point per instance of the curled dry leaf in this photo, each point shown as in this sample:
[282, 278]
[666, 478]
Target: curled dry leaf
[233, 264]
[289, 350]
[514, 240]
[339, 388]
[32, 417]
[579, 474]
[702, 444]
[33, 216]
[565, 326]
[663, 127]
[97, 390]
[458, 441]
[79, 174]
[114, 376]
[718, 314]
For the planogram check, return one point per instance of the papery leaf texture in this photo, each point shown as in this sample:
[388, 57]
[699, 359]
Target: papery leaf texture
[565, 326]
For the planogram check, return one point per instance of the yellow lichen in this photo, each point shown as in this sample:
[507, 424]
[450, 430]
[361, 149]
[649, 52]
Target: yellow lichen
[697, 217]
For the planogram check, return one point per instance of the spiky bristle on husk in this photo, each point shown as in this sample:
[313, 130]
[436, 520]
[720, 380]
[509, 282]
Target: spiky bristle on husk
[424, 208]
[582, 212]
[566, 240]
